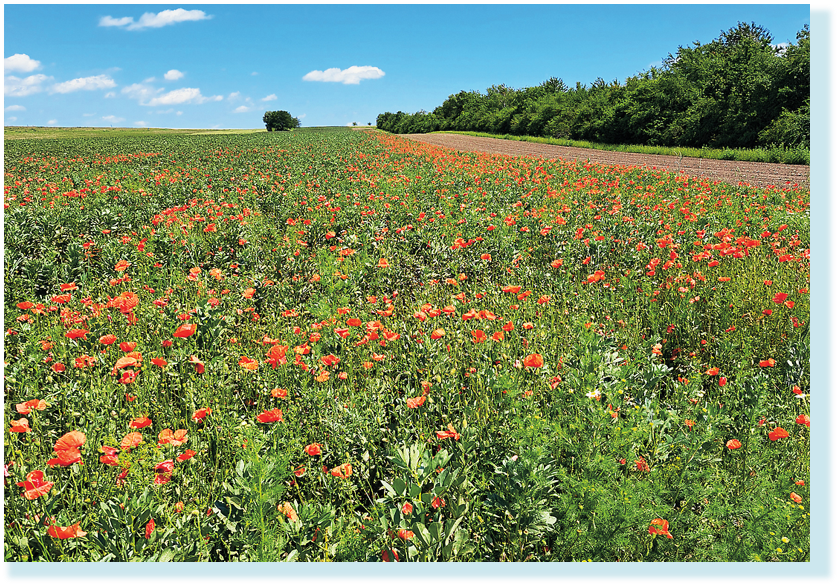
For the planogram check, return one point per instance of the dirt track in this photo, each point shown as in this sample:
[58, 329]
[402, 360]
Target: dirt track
[734, 172]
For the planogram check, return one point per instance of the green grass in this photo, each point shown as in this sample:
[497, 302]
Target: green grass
[476, 357]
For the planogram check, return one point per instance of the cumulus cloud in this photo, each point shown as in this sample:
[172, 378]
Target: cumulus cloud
[172, 75]
[110, 21]
[233, 95]
[350, 75]
[241, 110]
[141, 123]
[112, 119]
[96, 82]
[187, 95]
[152, 20]
[52, 121]
[14, 108]
[140, 91]
[270, 98]
[15, 86]
[20, 62]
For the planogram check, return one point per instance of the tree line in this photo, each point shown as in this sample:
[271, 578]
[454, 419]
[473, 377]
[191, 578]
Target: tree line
[738, 91]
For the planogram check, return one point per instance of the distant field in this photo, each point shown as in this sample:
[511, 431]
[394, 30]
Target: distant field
[29, 132]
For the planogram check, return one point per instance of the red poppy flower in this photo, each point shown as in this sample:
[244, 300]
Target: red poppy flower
[107, 339]
[342, 471]
[149, 528]
[405, 534]
[58, 367]
[723, 381]
[176, 438]
[641, 465]
[186, 456]
[387, 555]
[712, 371]
[780, 298]
[796, 498]
[65, 532]
[407, 509]
[769, 362]
[511, 288]
[778, 433]
[185, 330]
[248, 363]
[199, 366]
[159, 362]
[415, 402]
[34, 485]
[479, 336]
[65, 458]
[25, 408]
[109, 457]
[733, 444]
[77, 333]
[330, 360]
[803, 420]
[313, 449]
[131, 440]
[70, 441]
[449, 433]
[354, 321]
[438, 333]
[200, 414]
[534, 361]
[438, 502]
[270, 416]
[140, 422]
[121, 266]
[659, 527]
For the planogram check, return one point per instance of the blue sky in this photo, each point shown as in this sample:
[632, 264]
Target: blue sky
[224, 65]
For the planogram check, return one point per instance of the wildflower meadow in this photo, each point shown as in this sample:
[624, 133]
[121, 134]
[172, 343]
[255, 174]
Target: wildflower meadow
[340, 345]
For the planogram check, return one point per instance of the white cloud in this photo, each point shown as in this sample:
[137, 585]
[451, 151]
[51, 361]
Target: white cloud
[140, 92]
[270, 98]
[152, 20]
[149, 80]
[350, 75]
[255, 73]
[96, 82]
[15, 86]
[233, 95]
[110, 21]
[178, 113]
[141, 123]
[14, 108]
[241, 110]
[20, 62]
[172, 75]
[52, 121]
[187, 95]
[112, 119]
[11, 119]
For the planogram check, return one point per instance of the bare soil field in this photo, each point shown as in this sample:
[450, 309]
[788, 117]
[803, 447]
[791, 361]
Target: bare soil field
[733, 172]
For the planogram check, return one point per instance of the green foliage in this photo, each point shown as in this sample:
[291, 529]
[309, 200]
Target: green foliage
[279, 120]
[738, 91]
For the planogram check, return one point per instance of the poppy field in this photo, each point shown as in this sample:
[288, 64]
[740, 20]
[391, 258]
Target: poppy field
[337, 345]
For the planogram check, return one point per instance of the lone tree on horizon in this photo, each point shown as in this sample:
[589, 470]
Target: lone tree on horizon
[279, 120]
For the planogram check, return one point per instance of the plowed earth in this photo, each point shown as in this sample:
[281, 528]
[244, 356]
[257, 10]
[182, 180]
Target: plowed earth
[732, 172]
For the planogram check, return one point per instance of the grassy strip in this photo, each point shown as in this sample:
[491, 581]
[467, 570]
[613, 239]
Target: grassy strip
[775, 154]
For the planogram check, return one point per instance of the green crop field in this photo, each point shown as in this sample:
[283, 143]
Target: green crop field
[328, 345]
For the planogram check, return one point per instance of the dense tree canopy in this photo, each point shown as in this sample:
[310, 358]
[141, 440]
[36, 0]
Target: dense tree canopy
[279, 120]
[739, 90]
